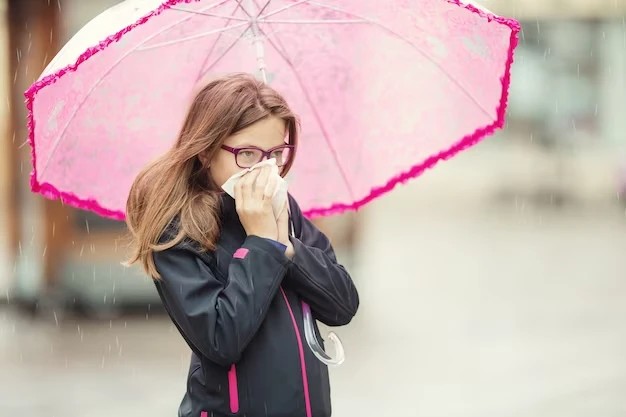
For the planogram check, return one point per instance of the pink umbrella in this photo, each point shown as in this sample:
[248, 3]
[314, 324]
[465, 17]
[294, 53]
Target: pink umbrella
[384, 89]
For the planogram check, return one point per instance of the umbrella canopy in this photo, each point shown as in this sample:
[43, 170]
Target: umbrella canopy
[383, 89]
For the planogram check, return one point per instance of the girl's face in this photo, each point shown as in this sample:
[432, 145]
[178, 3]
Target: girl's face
[265, 134]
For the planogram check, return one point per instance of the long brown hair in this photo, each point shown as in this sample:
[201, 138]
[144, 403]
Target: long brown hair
[177, 183]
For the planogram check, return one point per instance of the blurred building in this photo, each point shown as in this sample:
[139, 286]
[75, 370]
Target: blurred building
[562, 145]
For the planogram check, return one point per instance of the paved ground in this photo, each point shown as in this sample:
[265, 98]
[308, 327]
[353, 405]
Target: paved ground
[465, 312]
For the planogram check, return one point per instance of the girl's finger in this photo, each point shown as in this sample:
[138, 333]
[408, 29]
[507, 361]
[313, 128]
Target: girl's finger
[270, 188]
[261, 182]
[239, 193]
[285, 210]
[248, 184]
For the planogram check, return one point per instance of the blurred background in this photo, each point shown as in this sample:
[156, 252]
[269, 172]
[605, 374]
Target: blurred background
[493, 285]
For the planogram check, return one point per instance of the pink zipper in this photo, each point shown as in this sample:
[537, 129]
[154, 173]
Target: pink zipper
[233, 391]
[305, 380]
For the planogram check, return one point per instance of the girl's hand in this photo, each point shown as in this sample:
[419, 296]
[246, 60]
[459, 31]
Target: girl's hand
[282, 224]
[253, 200]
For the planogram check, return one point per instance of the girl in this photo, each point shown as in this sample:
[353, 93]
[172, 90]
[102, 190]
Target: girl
[230, 274]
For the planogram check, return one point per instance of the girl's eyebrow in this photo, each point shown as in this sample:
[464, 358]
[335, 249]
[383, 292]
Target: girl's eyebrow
[248, 145]
[243, 143]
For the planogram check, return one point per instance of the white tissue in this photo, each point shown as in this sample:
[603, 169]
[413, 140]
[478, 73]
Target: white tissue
[280, 195]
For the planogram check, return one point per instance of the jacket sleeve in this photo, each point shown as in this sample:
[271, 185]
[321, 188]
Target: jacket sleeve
[316, 276]
[218, 318]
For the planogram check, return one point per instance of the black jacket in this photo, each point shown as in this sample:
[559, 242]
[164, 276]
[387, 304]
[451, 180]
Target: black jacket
[240, 310]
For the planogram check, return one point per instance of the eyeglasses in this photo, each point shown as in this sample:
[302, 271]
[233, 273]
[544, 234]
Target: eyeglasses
[251, 155]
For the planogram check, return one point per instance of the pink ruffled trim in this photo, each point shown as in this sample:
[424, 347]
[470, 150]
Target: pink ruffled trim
[50, 191]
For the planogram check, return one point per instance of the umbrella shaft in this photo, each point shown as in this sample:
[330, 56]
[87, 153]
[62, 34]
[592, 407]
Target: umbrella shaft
[257, 41]
[260, 51]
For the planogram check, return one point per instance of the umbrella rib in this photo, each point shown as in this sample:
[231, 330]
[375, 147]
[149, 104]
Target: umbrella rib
[91, 90]
[399, 36]
[244, 9]
[206, 59]
[262, 9]
[231, 17]
[203, 71]
[308, 99]
[282, 9]
[309, 22]
[192, 37]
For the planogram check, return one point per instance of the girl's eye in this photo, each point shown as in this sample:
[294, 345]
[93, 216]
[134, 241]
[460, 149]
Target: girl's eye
[246, 154]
